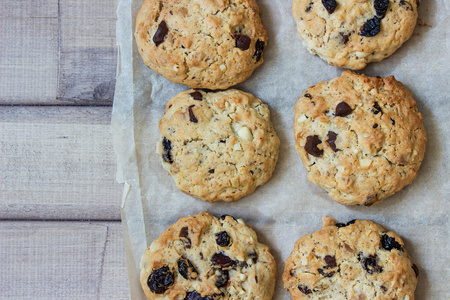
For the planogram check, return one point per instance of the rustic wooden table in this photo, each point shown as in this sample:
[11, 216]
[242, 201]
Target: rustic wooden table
[60, 232]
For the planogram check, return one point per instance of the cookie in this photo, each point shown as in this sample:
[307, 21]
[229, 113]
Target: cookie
[360, 138]
[218, 145]
[351, 34]
[354, 260]
[209, 258]
[211, 44]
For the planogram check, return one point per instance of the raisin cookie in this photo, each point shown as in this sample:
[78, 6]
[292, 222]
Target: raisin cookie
[351, 34]
[211, 44]
[209, 258]
[218, 145]
[360, 138]
[354, 260]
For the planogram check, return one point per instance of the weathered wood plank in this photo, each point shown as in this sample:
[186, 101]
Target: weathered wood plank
[87, 52]
[57, 163]
[62, 260]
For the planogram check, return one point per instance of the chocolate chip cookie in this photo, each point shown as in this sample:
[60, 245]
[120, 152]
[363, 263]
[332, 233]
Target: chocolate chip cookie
[201, 43]
[360, 138]
[218, 145]
[354, 260]
[351, 34]
[203, 257]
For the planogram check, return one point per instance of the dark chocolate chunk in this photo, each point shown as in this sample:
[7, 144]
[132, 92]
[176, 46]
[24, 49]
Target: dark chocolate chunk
[211, 171]
[192, 117]
[161, 33]
[223, 261]
[371, 27]
[197, 96]
[223, 239]
[376, 109]
[390, 243]
[369, 264]
[330, 5]
[160, 280]
[304, 289]
[311, 145]
[186, 269]
[325, 274]
[222, 279]
[330, 260]
[242, 41]
[344, 37]
[416, 269]
[375, 125]
[343, 109]
[339, 225]
[222, 141]
[259, 47]
[331, 140]
[307, 96]
[167, 147]
[381, 7]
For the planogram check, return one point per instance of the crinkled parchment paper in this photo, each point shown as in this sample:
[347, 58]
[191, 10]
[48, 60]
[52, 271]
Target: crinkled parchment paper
[289, 206]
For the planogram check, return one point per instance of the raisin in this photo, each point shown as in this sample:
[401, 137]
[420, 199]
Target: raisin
[211, 171]
[160, 280]
[415, 269]
[242, 41]
[393, 121]
[193, 296]
[376, 109]
[186, 269]
[339, 225]
[197, 96]
[344, 37]
[383, 288]
[304, 289]
[407, 4]
[324, 274]
[390, 243]
[381, 7]
[343, 109]
[307, 96]
[371, 27]
[160, 34]
[259, 47]
[192, 117]
[331, 140]
[369, 264]
[311, 145]
[375, 125]
[371, 199]
[222, 279]
[330, 260]
[330, 5]
[167, 147]
[222, 260]
[222, 217]
[309, 7]
[184, 232]
[223, 239]
[256, 279]
[253, 256]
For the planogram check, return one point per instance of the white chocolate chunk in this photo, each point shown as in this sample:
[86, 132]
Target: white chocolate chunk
[365, 162]
[245, 133]
[237, 147]
[302, 118]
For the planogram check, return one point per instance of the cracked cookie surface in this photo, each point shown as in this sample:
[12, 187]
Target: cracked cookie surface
[203, 257]
[210, 44]
[351, 34]
[218, 145]
[360, 138]
[354, 260]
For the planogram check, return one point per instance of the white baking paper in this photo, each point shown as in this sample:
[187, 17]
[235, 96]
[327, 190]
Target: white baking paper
[289, 206]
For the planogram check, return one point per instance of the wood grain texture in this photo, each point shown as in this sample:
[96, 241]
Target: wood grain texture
[62, 260]
[57, 163]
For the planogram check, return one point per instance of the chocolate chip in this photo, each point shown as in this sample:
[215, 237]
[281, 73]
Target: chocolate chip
[381, 7]
[344, 37]
[186, 269]
[222, 141]
[416, 270]
[330, 260]
[376, 109]
[325, 274]
[192, 117]
[389, 243]
[259, 47]
[242, 41]
[223, 239]
[160, 34]
[343, 109]
[311, 145]
[167, 148]
[375, 125]
[393, 121]
[222, 279]
[211, 171]
[330, 5]
[197, 96]
[369, 264]
[304, 289]
[222, 260]
[307, 96]
[160, 280]
[331, 140]
[371, 27]
[339, 225]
